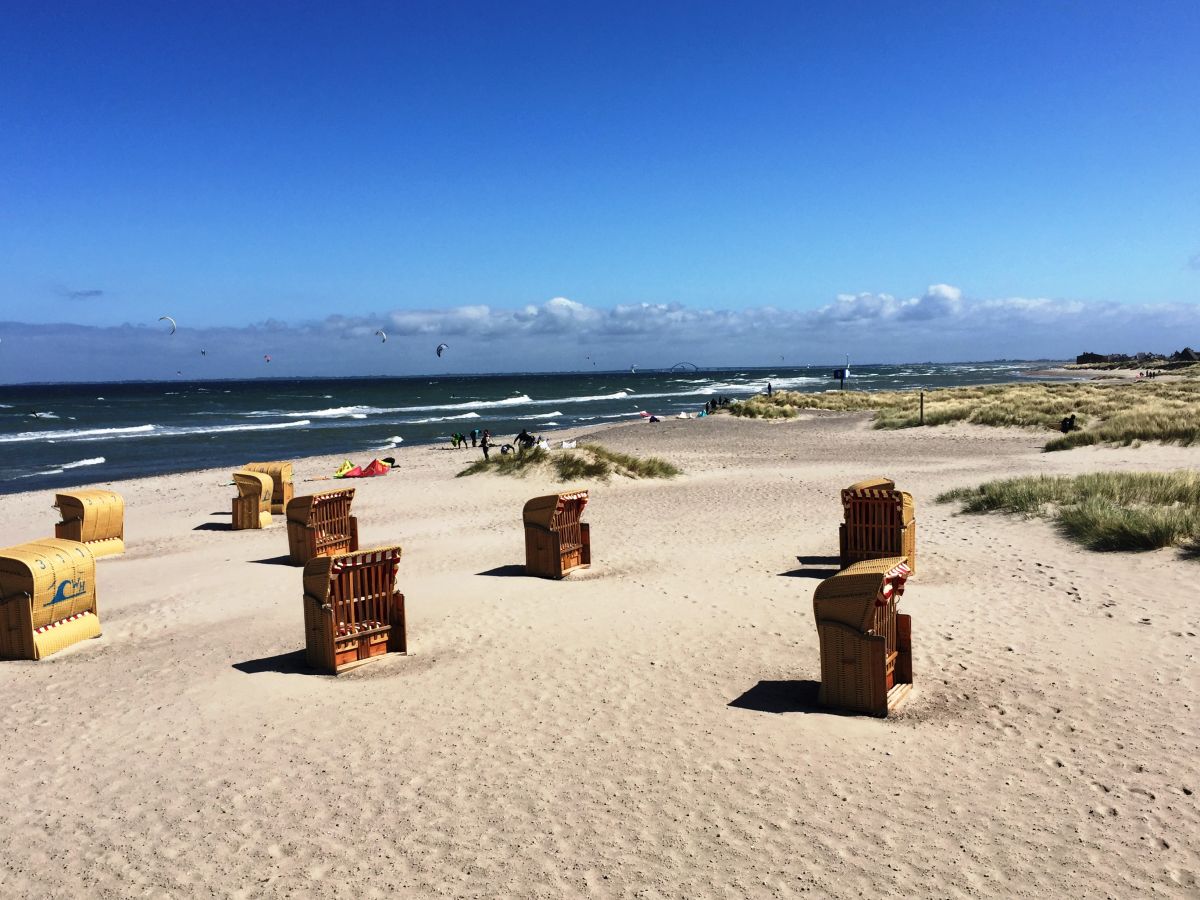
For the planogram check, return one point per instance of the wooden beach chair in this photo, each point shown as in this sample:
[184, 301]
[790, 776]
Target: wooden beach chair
[252, 505]
[47, 597]
[320, 524]
[880, 523]
[95, 518]
[556, 542]
[866, 649]
[352, 610]
[282, 488]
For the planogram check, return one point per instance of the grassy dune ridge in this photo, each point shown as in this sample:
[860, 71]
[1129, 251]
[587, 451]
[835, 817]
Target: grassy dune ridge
[586, 461]
[1101, 510]
[1108, 413]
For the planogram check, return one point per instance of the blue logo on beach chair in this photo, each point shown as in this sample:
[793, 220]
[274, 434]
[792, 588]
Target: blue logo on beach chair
[68, 589]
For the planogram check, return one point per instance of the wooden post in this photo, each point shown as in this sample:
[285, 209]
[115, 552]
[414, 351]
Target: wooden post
[922, 407]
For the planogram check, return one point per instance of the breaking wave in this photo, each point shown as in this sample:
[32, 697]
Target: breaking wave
[137, 431]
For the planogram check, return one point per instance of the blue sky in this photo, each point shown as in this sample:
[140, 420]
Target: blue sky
[406, 165]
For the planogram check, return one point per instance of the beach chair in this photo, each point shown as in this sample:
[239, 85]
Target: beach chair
[252, 505]
[879, 523]
[95, 518]
[866, 649]
[352, 610]
[282, 488]
[320, 524]
[556, 542]
[47, 597]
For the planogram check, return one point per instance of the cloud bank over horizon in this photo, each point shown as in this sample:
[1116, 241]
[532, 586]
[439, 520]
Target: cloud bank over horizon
[940, 325]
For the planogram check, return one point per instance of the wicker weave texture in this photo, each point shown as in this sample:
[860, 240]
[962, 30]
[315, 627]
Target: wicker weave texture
[320, 524]
[866, 656]
[252, 505]
[352, 610]
[94, 517]
[282, 487]
[556, 541]
[880, 522]
[44, 583]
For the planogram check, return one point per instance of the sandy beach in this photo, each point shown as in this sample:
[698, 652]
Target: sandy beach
[645, 728]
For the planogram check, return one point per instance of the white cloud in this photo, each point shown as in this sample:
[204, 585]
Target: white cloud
[940, 324]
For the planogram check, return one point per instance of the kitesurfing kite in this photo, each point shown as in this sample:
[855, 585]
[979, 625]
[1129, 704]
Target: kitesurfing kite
[267, 358]
[442, 347]
[204, 353]
[383, 335]
[168, 319]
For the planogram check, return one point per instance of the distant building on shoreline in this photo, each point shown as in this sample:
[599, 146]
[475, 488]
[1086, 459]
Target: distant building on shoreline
[1187, 354]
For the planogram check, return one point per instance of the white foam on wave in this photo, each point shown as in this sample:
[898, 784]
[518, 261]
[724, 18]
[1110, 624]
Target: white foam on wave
[470, 404]
[549, 415]
[79, 463]
[333, 412]
[137, 431]
[522, 400]
[469, 415]
[82, 434]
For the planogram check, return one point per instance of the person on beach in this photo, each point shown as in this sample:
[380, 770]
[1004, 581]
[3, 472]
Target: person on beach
[486, 442]
[524, 440]
[769, 391]
[474, 436]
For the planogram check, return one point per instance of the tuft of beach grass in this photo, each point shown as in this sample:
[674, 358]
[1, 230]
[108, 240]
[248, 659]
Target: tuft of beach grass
[1101, 510]
[588, 461]
[1106, 413]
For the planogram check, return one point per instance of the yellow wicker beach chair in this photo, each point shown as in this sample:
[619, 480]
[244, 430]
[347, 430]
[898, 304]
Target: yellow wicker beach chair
[320, 524]
[95, 518]
[866, 650]
[252, 505]
[352, 610]
[556, 542]
[282, 488]
[47, 597]
[880, 523]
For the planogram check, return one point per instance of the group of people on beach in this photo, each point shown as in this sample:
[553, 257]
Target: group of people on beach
[483, 439]
[711, 406]
[459, 441]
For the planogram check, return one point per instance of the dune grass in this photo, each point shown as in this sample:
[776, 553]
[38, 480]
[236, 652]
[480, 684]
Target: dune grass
[588, 461]
[1106, 413]
[1101, 510]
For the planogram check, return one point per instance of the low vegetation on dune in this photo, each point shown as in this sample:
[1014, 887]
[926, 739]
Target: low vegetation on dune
[1101, 510]
[588, 461]
[1106, 413]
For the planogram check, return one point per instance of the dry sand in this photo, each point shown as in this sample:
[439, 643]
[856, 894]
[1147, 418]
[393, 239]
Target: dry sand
[643, 729]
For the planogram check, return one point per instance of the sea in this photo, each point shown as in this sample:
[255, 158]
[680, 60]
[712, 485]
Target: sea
[63, 435]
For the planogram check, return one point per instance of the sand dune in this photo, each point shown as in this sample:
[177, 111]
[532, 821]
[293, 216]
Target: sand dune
[646, 728]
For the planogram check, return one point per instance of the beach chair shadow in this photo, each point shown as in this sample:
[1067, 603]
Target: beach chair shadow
[292, 663]
[285, 560]
[213, 526]
[781, 697]
[814, 567]
[510, 571]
